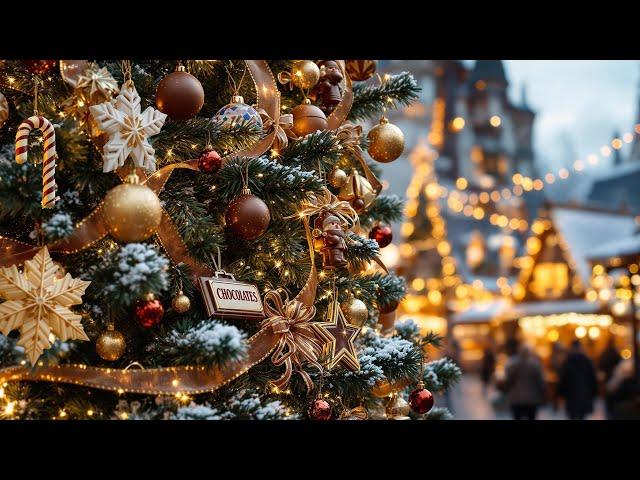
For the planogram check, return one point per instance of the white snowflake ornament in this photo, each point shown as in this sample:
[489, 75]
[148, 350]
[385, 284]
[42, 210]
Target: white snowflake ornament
[128, 129]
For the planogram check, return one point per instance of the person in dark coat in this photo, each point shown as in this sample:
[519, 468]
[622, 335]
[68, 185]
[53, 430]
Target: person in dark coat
[525, 385]
[578, 383]
[556, 362]
[488, 367]
[609, 360]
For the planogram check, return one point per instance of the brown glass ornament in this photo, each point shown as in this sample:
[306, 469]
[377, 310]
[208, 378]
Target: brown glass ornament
[360, 70]
[110, 345]
[320, 410]
[307, 119]
[386, 142]
[247, 216]
[382, 234]
[39, 67]
[132, 212]
[180, 95]
[388, 307]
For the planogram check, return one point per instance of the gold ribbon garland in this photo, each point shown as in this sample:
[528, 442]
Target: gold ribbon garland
[172, 380]
[275, 335]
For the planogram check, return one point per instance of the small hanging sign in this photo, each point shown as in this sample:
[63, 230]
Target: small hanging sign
[227, 297]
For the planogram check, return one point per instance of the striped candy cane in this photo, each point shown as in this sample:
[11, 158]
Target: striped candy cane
[49, 162]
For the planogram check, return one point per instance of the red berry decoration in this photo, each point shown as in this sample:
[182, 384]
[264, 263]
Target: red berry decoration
[320, 410]
[149, 312]
[39, 67]
[381, 234]
[247, 216]
[209, 161]
[421, 399]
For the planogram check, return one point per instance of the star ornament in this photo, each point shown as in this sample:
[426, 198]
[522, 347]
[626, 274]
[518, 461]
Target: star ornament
[97, 83]
[128, 129]
[338, 338]
[38, 304]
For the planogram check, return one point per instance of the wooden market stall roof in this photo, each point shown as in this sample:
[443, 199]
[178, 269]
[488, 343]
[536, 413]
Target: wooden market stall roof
[576, 231]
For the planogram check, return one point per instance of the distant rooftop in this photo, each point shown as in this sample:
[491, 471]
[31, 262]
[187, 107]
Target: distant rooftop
[488, 70]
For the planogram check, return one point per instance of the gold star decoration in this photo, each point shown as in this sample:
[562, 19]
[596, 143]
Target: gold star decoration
[38, 304]
[97, 84]
[128, 129]
[338, 336]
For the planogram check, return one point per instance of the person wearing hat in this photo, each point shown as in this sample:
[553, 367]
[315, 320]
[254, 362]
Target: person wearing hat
[334, 244]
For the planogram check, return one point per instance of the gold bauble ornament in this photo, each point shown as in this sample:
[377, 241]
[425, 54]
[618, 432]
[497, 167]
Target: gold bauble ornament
[358, 192]
[384, 388]
[132, 212]
[307, 119]
[110, 345]
[397, 408]
[386, 142]
[181, 303]
[355, 311]
[305, 74]
[337, 178]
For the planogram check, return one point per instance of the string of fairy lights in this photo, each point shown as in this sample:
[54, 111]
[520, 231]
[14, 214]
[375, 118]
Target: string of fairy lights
[476, 204]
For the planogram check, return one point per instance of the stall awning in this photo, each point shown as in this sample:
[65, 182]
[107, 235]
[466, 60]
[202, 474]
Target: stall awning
[481, 312]
[501, 309]
[551, 307]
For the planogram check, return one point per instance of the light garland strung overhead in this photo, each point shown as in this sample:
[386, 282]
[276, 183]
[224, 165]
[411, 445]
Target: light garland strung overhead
[523, 183]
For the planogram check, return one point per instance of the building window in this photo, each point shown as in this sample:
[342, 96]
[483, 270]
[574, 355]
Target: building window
[550, 280]
[495, 164]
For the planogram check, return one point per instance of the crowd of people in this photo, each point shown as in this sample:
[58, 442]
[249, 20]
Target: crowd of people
[573, 381]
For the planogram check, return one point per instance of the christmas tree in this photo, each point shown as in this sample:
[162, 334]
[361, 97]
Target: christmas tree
[200, 240]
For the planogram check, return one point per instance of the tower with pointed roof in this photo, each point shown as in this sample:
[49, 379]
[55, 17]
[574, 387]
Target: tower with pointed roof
[486, 136]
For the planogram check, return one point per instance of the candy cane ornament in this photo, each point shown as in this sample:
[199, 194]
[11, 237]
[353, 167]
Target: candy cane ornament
[49, 161]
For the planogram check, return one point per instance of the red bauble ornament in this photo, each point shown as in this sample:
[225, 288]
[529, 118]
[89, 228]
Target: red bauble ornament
[381, 234]
[320, 410]
[180, 95]
[209, 161]
[39, 67]
[247, 216]
[149, 312]
[421, 399]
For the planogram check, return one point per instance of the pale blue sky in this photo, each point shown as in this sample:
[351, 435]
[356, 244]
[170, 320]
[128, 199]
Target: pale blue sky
[579, 103]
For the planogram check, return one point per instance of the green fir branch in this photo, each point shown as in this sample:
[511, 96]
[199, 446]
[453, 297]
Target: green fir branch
[370, 101]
